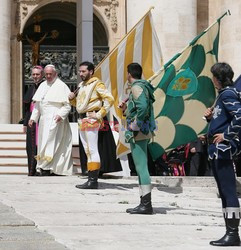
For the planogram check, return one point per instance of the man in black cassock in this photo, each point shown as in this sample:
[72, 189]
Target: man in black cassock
[31, 133]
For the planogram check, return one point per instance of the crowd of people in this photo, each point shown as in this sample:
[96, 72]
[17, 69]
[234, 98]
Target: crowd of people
[49, 138]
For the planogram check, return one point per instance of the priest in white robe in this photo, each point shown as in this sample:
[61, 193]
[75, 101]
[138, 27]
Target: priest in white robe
[54, 136]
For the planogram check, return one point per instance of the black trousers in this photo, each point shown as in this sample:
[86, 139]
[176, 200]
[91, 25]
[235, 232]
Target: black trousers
[223, 171]
[31, 149]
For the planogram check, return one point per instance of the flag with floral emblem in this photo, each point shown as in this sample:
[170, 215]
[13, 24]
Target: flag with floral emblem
[183, 91]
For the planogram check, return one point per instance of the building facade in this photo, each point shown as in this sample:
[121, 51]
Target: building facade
[52, 25]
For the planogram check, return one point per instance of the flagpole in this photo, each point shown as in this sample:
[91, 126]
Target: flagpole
[217, 20]
[226, 13]
[147, 13]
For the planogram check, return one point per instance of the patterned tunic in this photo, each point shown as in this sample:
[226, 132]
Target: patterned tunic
[93, 96]
[226, 119]
[139, 113]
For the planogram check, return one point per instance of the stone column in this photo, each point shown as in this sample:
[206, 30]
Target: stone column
[84, 30]
[5, 83]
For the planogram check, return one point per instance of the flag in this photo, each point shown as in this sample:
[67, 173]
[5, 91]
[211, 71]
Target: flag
[139, 45]
[183, 91]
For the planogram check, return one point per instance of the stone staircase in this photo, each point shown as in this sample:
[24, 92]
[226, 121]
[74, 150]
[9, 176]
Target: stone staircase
[13, 156]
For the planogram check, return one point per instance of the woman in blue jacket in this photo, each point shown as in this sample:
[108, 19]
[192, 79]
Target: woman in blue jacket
[224, 125]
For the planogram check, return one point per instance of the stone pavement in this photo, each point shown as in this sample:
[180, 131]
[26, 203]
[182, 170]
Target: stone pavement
[19, 233]
[49, 213]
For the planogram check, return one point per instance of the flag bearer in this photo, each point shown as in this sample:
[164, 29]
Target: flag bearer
[140, 127]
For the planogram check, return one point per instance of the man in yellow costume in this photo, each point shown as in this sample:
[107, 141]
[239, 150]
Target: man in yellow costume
[92, 102]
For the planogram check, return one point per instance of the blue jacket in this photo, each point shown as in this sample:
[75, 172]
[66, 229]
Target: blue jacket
[226, 119]
[237, 83]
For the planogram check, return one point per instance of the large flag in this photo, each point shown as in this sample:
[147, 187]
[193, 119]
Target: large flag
[183, 91]
[140, 45]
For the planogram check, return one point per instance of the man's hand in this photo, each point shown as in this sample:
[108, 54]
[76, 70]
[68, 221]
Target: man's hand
[25, 129]
[116, 127]
[57, 118]
[202, 137]
[71, 95]
[218, 138]
[193, 150]
[30, 123]
[122, 106]
[208, 113]
[91, 115]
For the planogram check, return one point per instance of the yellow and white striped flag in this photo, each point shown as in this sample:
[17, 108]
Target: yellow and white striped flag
[140, 45]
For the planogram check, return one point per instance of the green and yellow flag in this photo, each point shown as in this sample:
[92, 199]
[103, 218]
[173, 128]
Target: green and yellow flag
[183, 91]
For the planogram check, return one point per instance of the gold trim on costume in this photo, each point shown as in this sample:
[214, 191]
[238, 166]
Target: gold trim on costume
[37, 157]
[91, 166]
[45, 158]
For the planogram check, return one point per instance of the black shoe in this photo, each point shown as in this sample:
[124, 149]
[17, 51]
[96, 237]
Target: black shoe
[84, 173]
[227, 240]
[145, 206]
[142, 209]
[129, 210]
[45, 172]
[231, 238]
[88, 185]
[92, 182]
[31, 174]
[53, 174]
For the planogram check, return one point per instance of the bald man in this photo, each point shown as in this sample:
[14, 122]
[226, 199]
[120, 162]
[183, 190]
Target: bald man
[54, 136]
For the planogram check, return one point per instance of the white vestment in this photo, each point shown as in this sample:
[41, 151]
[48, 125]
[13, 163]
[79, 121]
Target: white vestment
[54, 139]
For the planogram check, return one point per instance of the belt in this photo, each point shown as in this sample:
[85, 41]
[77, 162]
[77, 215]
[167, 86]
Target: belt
[211, 139]
[84, 115]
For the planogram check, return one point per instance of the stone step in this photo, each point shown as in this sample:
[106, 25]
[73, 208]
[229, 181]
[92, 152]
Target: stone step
[13, 161]
[13, 156]
[13, 140]
[75, 151]
[13, 165]
[11, 128]
[13, 170]
[13, 136]
[13, 153]
[22, 163]
[18, 232]
[195, 181]
[13, 148]
[12, 144]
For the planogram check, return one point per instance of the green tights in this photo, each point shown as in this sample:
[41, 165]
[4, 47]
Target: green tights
[139, 154]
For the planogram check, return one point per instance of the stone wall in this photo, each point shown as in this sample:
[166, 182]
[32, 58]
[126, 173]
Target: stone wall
[230, 38]
[176, 22]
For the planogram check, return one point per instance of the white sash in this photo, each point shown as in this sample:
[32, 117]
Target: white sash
[84, 95]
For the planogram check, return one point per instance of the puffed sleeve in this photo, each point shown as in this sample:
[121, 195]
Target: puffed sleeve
[107, 99]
